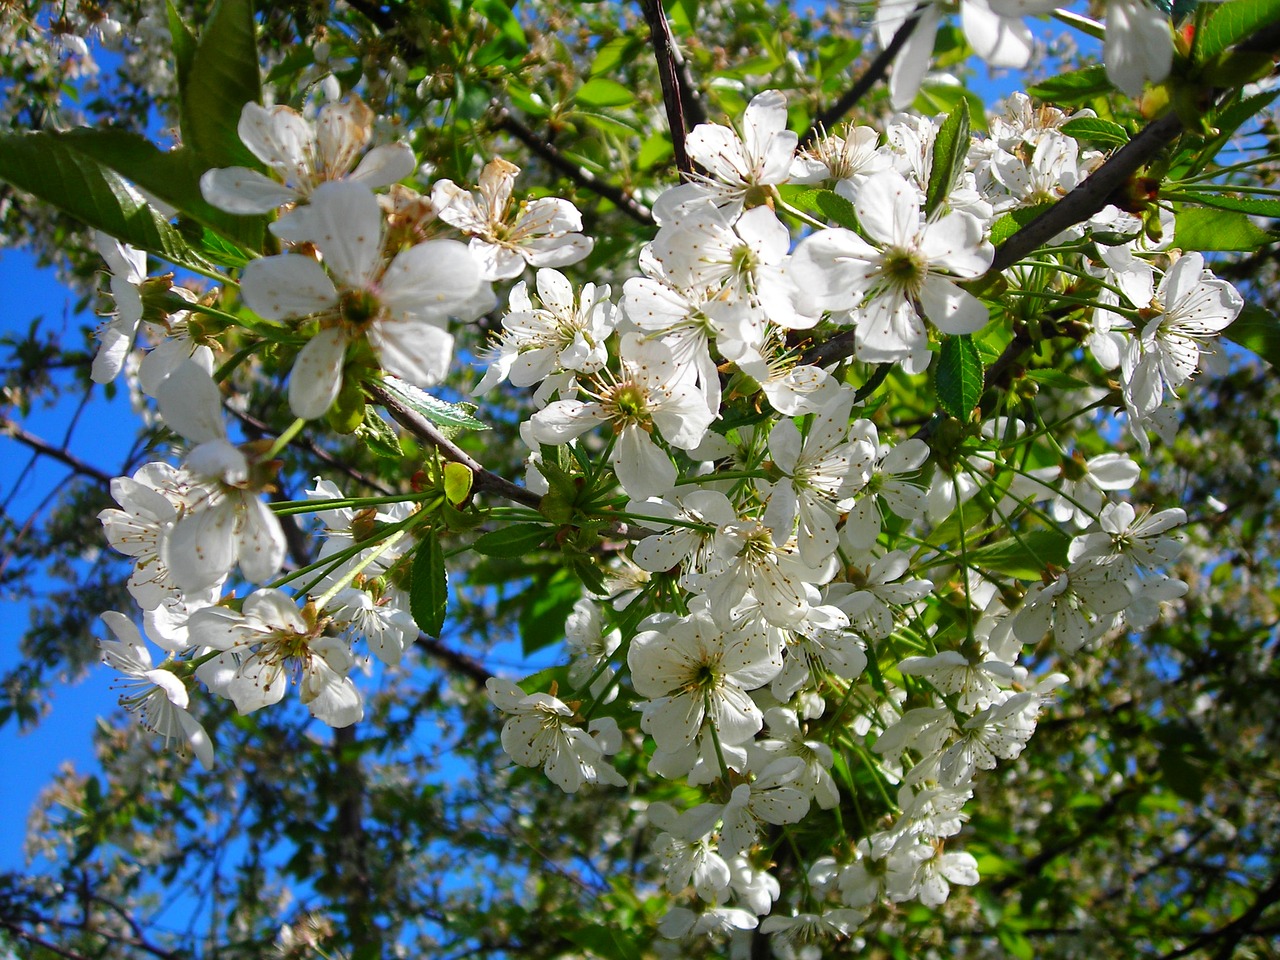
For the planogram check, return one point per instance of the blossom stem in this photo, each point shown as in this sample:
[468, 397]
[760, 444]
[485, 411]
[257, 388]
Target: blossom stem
[715, 741]
[690, 524]
[724, 475]
[351, 574]
[239, 357]
[801, 215]
[1249, 164]
[332, 561]
[282, 441]
[1082, 23]
[268, 331]
[289, 507]
[1081, 301]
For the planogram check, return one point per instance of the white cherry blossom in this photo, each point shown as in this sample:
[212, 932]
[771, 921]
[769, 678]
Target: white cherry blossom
[268, 643]
[541, 233]
[696, 671]
[157, 696]
[303, 155]
[399, 307]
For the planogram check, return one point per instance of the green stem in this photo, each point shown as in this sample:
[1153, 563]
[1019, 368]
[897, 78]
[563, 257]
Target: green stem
[289, 507]
[268, 331]
[715, 741]
[239, 357]
[282, 441]
[724, 475]
[355, 571]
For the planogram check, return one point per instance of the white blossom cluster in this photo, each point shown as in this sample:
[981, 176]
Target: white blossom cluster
[1138, 46]
[814, 625]
[365, 272]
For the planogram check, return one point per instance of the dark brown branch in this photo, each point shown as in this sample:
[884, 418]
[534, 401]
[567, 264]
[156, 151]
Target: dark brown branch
[1094, 193]
[319, 453]
[1232, 933]
[45, 448]
[669, 75]
[874, 72]
[469, 667]
[37, 942]
[507, 121]
[424, 429]
[1079, 205]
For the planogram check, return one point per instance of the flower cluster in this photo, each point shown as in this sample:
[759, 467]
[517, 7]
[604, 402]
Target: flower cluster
[815, 624]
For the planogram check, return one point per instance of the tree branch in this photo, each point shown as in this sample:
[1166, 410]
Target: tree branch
[505, 120]
[1077, 206]
[467, 666]
[37, 942]
[874, 72]
[1091, 195]
[303, 443]
[669, 75]
[45, 448]
[1232, 933]
[424, 429]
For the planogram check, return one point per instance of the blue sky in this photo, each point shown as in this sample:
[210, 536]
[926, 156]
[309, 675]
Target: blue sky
[103, 434]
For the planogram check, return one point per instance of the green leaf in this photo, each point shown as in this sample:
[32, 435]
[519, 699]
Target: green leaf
[935, 99]
[1096, 130]
[171, 176]
[184, 43]
[222, 78]
[603, 92]
[1203, 228]
[457, 482]
[613, 54]
[1057, 379]
[836, 208]
[429, 587]
[1258, 206]
[1015, 220]
[950, 148]
[47, 167]
[606, 943]
[378, 435]
[1257, 329]
[1025, 556]
[452, 416]
[959, 376]
[1231, 23]
[215, 248]
[508, 26]
[1078, 86]
[541, 681]
[551, 601]
[514, 541]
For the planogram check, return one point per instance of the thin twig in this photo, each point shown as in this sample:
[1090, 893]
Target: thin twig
[424, 429]
[874, 72]
[303, 443]
[455, 660]
[45, 448]
[505, 120]
[669, 75]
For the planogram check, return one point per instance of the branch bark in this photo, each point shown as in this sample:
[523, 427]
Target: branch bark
[424, 429]
[673, 95]
[874, 72]
[505, 120]
[1091, 195]
[45, 448]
